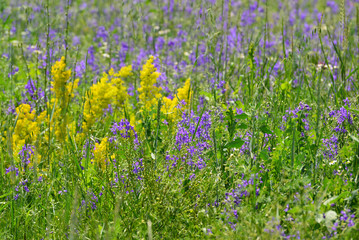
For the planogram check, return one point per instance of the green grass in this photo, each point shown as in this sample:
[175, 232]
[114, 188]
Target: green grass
[258, 153]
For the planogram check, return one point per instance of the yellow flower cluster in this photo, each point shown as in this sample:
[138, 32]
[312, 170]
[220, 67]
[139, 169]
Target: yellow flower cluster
[26, 130]
[100, 96]
[149, 93]
[171, 107]
[104, 93]
[100, 153]
[121, 93]
[64, 92]
[61, 87]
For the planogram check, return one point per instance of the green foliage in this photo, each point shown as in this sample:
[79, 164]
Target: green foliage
[272, 153]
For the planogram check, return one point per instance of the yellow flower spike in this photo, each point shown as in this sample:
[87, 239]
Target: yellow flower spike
[124, 72]
[105, 92]
[26, 129]
[111, 72]
[149, 93]
[170, 107]
[100, 96]
[64, 92]
[184, 92]
[60, 78]
[100, 153]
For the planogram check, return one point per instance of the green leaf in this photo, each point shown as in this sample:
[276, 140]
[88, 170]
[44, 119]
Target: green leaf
[242, 126]
[100, 229]
[336, 198]
[4, 205]
[239, 104]
[7, 22]
[294, 210]
[7, 194]
[330, 200]
[264, 154]
[153, 10]
[353, 195]
[206, 94]
[278, 132]
[238, 143]
[285, 86]
[354, 138]
[265, 129]
[241, 116]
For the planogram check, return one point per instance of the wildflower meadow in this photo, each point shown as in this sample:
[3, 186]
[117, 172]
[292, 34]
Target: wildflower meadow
[179, 119]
